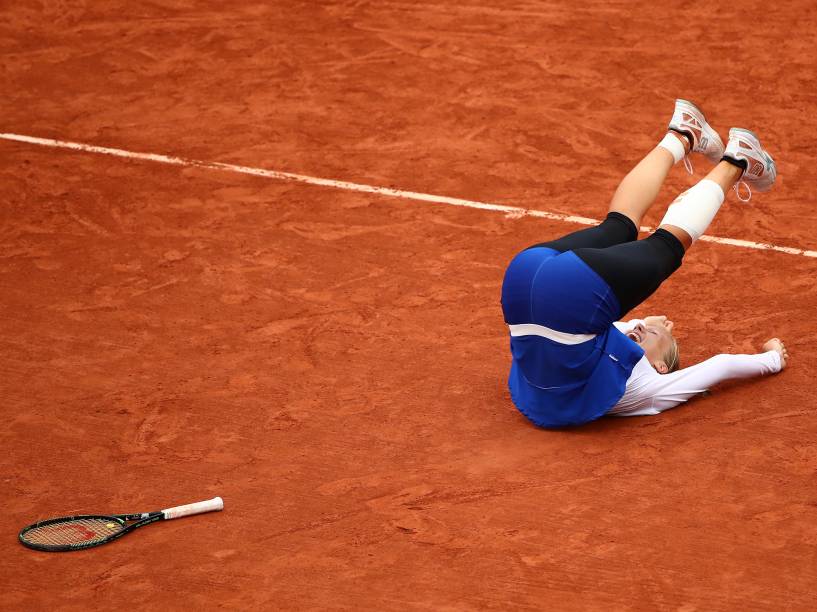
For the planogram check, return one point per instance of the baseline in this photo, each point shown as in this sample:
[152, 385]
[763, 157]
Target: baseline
[511, 211]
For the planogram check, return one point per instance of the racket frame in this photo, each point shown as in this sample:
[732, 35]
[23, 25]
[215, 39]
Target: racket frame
[142, 519]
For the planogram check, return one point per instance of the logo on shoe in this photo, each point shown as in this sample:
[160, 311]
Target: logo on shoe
[757, 169]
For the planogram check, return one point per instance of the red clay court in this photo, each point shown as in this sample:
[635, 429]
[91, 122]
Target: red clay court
[333, 362]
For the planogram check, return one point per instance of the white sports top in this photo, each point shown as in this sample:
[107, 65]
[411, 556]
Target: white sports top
[649, 392]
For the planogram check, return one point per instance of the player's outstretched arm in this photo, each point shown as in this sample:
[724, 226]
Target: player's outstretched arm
[720, 368]
[663, 391]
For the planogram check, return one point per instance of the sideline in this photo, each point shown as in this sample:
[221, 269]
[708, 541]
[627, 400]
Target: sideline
[510, 211]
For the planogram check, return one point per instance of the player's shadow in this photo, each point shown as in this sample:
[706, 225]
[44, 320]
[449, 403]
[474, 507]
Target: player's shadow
[688, 413]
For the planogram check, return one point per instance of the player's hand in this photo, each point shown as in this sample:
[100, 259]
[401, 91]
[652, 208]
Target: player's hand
[659, 320]
[776, 344]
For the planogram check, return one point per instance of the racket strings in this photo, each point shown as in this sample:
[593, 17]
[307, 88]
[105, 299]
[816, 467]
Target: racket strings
[73, 531]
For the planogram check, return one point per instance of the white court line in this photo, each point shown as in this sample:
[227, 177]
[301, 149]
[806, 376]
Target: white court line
[512, 211]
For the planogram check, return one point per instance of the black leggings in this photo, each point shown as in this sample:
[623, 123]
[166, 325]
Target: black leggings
[633, 268]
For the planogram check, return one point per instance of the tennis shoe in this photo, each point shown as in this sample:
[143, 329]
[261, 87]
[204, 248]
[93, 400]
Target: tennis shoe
[760, 171]
[689, 120]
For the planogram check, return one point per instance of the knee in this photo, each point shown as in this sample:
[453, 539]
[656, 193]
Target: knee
[626, 227]
[668, 251]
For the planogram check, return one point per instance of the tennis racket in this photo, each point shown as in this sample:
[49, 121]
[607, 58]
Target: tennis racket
[88, 530]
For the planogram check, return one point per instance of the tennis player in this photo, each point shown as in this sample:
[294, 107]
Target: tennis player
[573, 360]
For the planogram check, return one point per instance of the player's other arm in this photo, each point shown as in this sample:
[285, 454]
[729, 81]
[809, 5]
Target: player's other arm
[669, 390]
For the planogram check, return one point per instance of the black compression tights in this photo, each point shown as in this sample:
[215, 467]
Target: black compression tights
[633, 268]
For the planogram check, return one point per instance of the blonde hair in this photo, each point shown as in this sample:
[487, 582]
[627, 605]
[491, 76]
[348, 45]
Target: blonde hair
[673, 357]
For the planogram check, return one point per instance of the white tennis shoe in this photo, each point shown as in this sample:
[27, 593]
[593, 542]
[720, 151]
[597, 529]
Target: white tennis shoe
[760, 172]
[688, 119]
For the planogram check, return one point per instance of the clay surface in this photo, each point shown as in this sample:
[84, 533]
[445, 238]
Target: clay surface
[332, 363]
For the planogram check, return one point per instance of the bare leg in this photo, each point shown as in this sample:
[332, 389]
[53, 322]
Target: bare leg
[725, 175]
[638, 190]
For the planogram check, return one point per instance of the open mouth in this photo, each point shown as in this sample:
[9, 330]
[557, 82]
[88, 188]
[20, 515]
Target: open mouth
[634, 337]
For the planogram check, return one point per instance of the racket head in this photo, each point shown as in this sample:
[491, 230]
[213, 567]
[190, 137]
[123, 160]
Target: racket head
[72, 532]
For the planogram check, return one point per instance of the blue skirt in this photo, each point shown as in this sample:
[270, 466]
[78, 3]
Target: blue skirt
[561, 379]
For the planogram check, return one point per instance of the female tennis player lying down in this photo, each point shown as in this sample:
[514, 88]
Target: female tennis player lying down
[573, 362]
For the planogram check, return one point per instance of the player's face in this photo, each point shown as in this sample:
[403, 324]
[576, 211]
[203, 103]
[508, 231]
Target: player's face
[656, 340]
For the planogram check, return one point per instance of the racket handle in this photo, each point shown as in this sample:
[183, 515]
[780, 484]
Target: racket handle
[197, 508]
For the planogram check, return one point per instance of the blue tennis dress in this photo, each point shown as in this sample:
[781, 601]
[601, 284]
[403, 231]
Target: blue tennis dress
[570, 364]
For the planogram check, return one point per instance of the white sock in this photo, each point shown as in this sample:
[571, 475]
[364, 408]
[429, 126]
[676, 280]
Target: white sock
[674, 146]
[694, 209]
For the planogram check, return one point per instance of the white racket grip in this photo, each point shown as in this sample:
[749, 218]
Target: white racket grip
[197, 508]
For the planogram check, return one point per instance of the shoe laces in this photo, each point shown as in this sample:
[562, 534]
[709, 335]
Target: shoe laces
[736, 187]
[688, 165]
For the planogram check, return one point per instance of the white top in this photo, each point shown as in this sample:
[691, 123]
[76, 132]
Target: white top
[649, 392]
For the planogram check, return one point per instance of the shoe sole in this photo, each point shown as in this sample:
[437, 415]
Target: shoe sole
[755, 141]
[710, 133]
